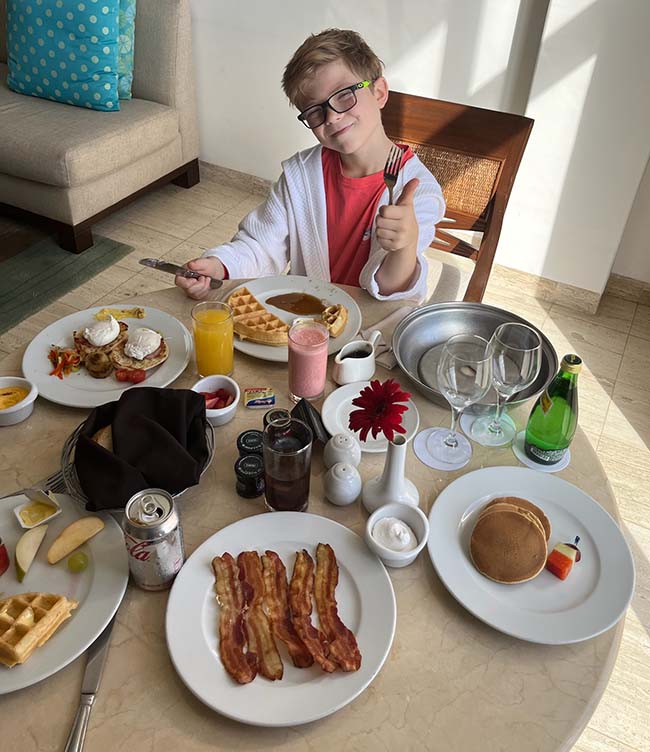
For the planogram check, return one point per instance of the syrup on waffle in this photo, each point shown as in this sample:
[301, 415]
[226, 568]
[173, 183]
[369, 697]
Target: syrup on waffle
[27, 621]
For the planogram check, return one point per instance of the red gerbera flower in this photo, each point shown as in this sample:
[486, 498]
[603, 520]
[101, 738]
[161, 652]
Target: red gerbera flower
[380, 410]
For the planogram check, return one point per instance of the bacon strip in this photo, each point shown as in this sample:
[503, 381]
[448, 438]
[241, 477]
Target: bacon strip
[276, 600]
[343, 646]
[242, 666]
[256, 623]
[300, 590]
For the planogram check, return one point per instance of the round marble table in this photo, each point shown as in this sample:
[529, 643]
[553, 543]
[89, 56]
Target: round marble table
[449, 683]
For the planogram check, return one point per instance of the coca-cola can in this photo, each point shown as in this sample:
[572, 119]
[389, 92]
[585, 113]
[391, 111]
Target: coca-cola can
[154, 539]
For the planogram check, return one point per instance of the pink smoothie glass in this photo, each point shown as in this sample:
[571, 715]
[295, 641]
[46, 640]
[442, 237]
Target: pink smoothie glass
[308, 342]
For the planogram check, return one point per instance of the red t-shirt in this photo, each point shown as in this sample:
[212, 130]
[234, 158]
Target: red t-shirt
[351, 208]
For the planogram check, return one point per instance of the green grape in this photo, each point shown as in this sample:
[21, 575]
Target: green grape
[78, 562]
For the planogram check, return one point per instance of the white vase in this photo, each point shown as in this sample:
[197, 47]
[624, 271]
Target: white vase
[391, 485]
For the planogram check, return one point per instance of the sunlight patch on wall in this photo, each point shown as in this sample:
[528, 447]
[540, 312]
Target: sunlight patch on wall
[419, 68]
[492, 45]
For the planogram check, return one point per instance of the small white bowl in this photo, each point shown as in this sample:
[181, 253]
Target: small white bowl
[211, 384]
[23, 409]
[414, 517]
[36, 496]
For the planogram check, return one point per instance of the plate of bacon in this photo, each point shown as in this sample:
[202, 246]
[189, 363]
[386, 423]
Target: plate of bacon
[279, 620]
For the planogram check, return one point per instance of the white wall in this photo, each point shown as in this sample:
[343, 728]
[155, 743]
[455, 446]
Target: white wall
[633, 257]
[452, 49]
[574, 190]
[589, 145]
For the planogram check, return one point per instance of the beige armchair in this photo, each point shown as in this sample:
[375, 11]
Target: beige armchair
[73, 166]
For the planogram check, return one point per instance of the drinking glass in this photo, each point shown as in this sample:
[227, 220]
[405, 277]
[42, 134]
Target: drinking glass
[213, 338]
[464, 377]
[516, 360]
[286, 445]
[308, 344]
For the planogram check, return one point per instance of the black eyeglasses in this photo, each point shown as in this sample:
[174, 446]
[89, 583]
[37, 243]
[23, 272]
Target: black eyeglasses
[341, 101]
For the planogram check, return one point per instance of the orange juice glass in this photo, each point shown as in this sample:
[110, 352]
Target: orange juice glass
[213, 338]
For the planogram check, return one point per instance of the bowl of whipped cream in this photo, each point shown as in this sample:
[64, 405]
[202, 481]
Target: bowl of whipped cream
[397, 533]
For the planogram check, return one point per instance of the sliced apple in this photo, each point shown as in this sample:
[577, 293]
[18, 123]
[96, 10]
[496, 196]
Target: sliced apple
[73, 536]
[26, 548]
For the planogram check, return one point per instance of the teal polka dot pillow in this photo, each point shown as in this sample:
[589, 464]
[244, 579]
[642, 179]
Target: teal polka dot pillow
[125, 48]
[65, 50]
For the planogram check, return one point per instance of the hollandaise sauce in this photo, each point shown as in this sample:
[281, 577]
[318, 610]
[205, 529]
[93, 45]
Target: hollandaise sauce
[12, 395]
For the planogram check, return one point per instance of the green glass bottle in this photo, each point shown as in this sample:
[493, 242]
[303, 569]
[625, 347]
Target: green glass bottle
[554, 418]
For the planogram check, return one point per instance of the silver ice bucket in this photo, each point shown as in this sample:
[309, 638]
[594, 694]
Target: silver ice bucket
[419, 338]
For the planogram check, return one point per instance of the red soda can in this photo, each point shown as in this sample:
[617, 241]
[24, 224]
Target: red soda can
[154, 539]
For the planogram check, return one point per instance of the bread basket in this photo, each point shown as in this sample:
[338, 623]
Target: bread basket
[69, 471]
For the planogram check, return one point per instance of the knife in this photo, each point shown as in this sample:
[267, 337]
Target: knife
[95, 660]
[178, 271]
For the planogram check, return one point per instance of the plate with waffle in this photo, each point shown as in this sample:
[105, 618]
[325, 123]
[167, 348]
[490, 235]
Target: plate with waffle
[262, 328]
[494, 536]
[53, 615]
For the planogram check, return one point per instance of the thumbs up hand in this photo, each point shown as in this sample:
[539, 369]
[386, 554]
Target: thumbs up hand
[396, 225]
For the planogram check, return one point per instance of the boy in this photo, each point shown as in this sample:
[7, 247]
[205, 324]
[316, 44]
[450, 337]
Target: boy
[323, 216]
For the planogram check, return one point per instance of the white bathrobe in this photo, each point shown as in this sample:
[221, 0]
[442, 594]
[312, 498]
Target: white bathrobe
[291, 227]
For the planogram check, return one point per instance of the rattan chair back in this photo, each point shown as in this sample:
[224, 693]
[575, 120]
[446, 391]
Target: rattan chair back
[474, 154]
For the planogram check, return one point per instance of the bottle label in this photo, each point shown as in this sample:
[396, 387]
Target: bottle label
[545, 402]
[545, 456]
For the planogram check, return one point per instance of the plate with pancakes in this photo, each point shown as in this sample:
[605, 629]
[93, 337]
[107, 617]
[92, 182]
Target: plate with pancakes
[264, 309]
[491, 533]
[170, 353]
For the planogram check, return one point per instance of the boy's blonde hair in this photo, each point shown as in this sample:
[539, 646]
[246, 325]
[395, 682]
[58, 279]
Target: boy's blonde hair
[326, 47]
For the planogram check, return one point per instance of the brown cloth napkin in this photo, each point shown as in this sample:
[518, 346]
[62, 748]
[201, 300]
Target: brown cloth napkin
[158, 442]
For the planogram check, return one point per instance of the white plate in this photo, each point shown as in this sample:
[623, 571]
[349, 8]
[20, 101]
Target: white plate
[99, 589]
[81, 389]
[546, 610]
[366, 604]
[338, 406]
[267, 287]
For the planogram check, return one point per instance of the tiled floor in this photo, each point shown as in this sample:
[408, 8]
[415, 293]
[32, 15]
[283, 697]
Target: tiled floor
[614, 396]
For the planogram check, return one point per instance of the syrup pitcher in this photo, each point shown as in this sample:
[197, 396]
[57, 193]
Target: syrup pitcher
[356, 360]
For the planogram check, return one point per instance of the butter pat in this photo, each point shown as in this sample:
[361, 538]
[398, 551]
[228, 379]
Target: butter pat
[259, 396]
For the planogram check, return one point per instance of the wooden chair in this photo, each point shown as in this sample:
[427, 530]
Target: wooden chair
[474, 154]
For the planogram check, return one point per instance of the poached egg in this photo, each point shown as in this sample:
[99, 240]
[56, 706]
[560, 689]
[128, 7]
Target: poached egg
[102, 332]
[142, 342]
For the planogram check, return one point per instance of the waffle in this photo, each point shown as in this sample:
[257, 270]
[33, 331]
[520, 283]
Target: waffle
[27, 621]
[252, 321]
[335, 317]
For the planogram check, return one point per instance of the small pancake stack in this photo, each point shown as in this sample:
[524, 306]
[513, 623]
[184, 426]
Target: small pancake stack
[509, 541]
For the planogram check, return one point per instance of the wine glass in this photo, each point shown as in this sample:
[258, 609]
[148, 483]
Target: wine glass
[516, 360]
[464, 377]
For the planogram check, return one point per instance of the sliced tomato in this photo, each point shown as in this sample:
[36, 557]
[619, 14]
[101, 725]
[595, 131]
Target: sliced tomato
[132, 375]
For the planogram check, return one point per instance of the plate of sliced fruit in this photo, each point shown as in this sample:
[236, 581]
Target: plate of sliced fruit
[90, 357]
[62, 577]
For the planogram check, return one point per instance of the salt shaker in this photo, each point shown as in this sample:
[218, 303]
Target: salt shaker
[342, 447]
[342, 484]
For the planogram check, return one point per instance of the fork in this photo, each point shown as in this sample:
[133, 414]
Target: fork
[55, 483]
[391, 170]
